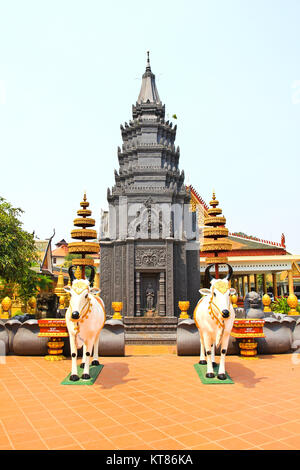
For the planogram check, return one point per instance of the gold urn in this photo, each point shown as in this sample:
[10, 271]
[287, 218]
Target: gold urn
[117, 306]
[184, 305]
[6, 305]
[292, 301]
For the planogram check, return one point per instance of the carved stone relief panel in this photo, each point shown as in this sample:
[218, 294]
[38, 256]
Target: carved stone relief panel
[150, 258]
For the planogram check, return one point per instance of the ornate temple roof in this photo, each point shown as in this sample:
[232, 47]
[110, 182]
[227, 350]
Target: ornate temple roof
[148, 92]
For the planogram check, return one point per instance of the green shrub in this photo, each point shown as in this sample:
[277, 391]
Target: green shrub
[280, 305]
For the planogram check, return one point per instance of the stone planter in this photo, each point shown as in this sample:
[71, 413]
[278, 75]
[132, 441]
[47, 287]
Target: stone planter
[112, 339]
[12, 327]
[278, 332]
[26, 341]
[296, 335]
[4, 340]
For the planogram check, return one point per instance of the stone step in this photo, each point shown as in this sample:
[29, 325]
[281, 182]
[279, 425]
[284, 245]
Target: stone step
[150, 349]
[150, 338]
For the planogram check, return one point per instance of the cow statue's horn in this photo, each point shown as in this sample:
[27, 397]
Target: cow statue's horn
[208, 276]
[207, 273]
[230, 272]
[71, 273]
[92, 276]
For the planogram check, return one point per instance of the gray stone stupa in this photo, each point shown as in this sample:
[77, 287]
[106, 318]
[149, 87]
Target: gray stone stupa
[149, 257]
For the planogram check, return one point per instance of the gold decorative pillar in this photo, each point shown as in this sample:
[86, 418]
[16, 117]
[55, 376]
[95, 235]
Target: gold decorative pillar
[264, 283]
[97, 280]
[249, 283]
[275, 290]
[244, 285]
[256, 282]
[291, 282]
[238, 286]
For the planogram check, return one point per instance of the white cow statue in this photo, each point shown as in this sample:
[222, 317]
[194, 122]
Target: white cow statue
[85, 318]
[214, 316]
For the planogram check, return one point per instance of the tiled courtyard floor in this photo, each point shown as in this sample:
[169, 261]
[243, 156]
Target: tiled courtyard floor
[151, 399]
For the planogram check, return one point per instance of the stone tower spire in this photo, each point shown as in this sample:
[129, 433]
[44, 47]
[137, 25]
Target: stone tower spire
[148, 93]
[146, 241]
[148, 160]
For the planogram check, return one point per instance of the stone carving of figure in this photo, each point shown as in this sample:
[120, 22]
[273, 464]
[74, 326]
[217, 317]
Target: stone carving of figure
[150, 297]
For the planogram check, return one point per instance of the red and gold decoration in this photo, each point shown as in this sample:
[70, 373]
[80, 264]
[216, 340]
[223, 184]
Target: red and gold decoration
[56, 330]
[84, 233]
[117, 307]
[184, 305]
[215, 235]
[247, 330]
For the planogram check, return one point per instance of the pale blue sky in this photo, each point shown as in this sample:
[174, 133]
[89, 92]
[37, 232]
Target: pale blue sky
[71, 70]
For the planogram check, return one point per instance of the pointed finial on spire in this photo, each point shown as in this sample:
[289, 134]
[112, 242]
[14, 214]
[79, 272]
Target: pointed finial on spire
[214, 201]
[148, 68]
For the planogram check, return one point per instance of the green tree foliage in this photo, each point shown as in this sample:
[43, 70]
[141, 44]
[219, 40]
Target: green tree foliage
[68, 260]
[18, 255]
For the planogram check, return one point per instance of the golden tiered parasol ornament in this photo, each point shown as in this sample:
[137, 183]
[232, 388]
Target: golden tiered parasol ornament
[84, 233]
[215, 236]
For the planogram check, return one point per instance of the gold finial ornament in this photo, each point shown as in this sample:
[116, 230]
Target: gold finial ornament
[6, 305]
[292, 301]
[266, 300]
[234, 299]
